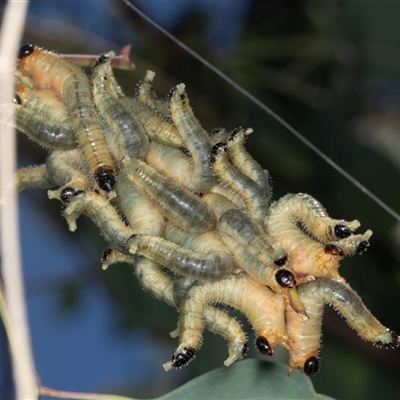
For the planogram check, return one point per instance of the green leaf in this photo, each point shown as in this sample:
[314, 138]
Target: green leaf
[249, 379]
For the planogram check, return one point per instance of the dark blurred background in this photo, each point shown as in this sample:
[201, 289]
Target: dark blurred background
[332, 70]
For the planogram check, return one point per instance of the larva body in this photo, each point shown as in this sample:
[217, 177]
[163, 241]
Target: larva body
[245, 163]
[158, 128]
[266, 318]
[253, 196]
[180, 206]
[33, 177]
[146, 94]
[73, 87]
[183, 261]
[142, 214]
[305, 336]
[129, 132]
[103, 214]
[195, 137]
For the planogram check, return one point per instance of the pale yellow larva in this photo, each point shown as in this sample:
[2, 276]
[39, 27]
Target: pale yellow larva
[72, 86]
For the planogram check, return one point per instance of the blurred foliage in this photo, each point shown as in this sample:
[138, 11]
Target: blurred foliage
[310, 62]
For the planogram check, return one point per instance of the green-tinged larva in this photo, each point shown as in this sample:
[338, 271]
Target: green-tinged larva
[175, 164]
[195, 137]
[129, 133]
[102, 213]
[254, 198]
[180, 206]
[158, 127]
[218, 203]
[33, 177]
[305, 336]
[245, 163]
[44, 131]
[72, 86]
[182, 261]
[142, 214]
[67, 169]
[146, 94]
[263, 309]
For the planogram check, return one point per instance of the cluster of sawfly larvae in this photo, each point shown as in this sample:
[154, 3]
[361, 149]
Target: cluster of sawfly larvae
[191, 211]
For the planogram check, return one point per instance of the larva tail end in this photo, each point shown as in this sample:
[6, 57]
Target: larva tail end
[183, 358]
[393, 344]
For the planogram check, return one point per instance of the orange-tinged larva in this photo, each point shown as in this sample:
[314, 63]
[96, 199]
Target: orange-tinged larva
[49, 71]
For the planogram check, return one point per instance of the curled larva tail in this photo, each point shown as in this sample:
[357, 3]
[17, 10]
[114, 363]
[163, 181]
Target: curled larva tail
[350, 305]
[305, 335]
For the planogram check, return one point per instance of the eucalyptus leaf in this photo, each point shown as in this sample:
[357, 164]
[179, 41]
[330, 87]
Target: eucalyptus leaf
[249, 379]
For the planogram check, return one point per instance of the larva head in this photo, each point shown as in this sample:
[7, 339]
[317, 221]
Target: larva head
[263, 346]
[311, 366]
[26, 50]
[105, 178]
[342, 231]
[285, 278]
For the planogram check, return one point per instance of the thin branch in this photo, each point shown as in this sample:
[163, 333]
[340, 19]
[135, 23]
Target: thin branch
[60, 394]
[23, 366]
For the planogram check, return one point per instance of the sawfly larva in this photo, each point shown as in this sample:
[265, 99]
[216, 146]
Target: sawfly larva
[179, 205]
[305, 336]
[72, 86]
[128, 132]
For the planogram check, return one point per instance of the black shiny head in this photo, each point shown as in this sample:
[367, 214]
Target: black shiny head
[341, 231]
[333, 250]
[183, 358]
[103, 58]
[105, 178]
[285, 278]
[17, 99]
[362, 247]
[280, 262]
[263, 346]
[67, 193]
[25, 50]
[311, 366]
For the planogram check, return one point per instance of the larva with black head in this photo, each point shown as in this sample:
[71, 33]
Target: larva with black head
[128, 132]
[72, 86]
[305, 336]
[263, 309]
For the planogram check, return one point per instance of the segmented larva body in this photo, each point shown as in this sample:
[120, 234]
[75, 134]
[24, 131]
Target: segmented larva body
[305, 336]
[180, 206]
[146, 94]
[33, 177]
[254, 198]
[315, 242]
[73, 87]
[158, 127]
[142, 214]
[129, 133]
[263, 308]
[245, 163]
[195, 137]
